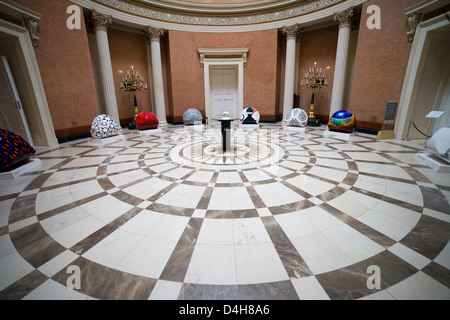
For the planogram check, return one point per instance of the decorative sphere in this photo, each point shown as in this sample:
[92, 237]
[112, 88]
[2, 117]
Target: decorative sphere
[146, 120]
[250, 116]
[342, 121]
[104, 126]
[14, 150]
[297, 118]
[192, 116]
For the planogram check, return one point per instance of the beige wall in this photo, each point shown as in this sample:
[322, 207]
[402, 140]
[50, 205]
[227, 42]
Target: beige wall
[65, 66]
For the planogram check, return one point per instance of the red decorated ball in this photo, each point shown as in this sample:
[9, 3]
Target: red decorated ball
[146, 120]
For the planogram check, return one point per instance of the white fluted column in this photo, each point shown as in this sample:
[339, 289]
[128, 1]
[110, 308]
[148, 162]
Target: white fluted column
[150, 70]
[101, 33]
[289, 75]
[337, 97]
[158, 84]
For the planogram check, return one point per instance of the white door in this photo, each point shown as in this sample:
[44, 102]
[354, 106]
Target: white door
[12, 116]
[223, 92]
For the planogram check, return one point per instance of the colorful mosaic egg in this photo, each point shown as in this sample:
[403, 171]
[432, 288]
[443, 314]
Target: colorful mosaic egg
[104, 126]
[297, 118]
[342, 121]
[250, 116]
[192, 116]
[146, 120]
[13, 150]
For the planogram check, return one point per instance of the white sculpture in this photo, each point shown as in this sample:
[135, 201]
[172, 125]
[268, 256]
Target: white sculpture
[297, 118]
[104, 126]
[439, 144]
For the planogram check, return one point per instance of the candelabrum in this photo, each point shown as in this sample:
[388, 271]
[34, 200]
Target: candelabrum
[133, 82]
[314, 79]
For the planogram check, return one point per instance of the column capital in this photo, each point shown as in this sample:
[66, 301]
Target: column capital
[344, 18]
[101, 21]
[292, 32]
[155, 34]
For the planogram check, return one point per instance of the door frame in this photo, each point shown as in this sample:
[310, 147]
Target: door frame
[221, 67]
[211, 58]
[26, 73]
[26, 134]
[414, 71]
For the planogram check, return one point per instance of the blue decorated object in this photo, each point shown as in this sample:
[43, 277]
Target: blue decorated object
[13, 150]
[342, 121]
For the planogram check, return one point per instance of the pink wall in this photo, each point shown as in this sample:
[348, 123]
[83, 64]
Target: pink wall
[259, 76]
[65, 66]
[318, 46]
[128, 49]
[381, 62]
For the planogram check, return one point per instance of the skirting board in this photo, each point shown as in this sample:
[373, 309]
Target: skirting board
[296, 129]
[339, 135]
[17, 172]
[435, 163]
[106, 140]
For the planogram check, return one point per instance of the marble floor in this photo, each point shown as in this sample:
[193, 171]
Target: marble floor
[283, 215]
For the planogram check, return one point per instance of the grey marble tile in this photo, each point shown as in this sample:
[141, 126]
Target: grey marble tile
[351, 282]
[35, 245]
[105, 283]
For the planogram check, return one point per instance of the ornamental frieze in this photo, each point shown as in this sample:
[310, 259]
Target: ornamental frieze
[175, 17]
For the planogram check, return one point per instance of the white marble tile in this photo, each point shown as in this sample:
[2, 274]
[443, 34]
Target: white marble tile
[77, 231]
[113, 248]
[443, 258]
[169, 228]
[52, 290]
[248, 231]
[295, 225]
[320, 219]
[354, 244]
[63, 220]
[212, 264]
[13, 268]
[148, 258]
[216, 232]
[143, 222]
[320, 253]
[419, 286]
[311, 185]
[59, 262]
[166, 290]
[309, 289]
[412, 257]
[258, 263]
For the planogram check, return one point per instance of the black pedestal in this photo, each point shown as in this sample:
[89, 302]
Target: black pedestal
[226, 132]
[314, 122]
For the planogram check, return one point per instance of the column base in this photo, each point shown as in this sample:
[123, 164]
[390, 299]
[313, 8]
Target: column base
[314, 122]
[163, 124]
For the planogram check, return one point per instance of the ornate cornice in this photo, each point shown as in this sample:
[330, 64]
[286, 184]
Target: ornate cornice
[237, 19]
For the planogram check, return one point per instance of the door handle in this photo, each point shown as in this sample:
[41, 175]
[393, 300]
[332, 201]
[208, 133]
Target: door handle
[18, 106]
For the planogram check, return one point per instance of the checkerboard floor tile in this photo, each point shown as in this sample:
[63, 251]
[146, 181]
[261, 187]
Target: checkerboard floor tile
[283, 215]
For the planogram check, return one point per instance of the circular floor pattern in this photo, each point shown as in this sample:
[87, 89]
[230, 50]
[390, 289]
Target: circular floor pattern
[283, 215]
